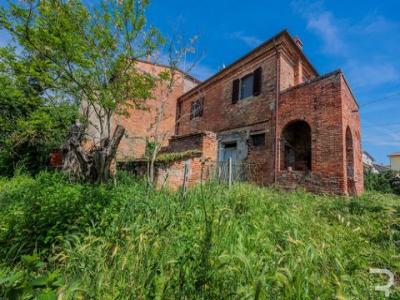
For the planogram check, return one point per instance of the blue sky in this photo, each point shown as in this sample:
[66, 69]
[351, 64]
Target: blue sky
[360, 37]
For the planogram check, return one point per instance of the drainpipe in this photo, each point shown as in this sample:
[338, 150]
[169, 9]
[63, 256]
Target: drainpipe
[276, 144]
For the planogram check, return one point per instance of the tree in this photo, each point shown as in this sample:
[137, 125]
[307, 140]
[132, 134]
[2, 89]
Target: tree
[18, 97]
[31, 123]
[89, 56]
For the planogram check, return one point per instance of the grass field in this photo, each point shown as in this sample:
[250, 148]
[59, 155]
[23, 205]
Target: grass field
[131, 242]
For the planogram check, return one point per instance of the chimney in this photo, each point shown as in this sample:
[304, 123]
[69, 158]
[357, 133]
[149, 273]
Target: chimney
[298, 42]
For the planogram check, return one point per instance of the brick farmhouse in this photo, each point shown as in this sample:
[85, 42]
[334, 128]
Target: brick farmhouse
[271, 111]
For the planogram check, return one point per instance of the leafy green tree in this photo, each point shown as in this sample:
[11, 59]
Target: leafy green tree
[89, 56]
[32, 124]
[18, 96]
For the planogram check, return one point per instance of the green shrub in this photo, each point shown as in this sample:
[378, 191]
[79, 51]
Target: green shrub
[43, 212]
[395, 183]
[29, 281]
[384, 182]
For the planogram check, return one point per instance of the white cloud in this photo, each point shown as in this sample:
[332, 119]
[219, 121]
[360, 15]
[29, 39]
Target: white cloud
[250, 40]
[324, 25]
[371, 74]
[382, 135]
[351, 41]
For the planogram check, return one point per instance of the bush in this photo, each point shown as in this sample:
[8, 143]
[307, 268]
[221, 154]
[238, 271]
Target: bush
[41, 213]
[29, 282]
[395, 183]
[384, 182]
[35, 137]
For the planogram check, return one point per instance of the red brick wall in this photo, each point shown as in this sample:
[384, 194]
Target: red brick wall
[172, 175]
[328, 108]
[220, 113]
[206, 142]
[140, 124]
[351, 120]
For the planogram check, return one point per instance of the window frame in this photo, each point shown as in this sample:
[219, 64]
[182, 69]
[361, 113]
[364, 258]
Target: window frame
[255, 88]
[250, 75]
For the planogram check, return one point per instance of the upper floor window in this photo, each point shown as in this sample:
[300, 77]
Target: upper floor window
[247, 86]
[196, 108]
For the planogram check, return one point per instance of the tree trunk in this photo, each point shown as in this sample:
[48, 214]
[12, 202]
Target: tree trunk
[93, 165]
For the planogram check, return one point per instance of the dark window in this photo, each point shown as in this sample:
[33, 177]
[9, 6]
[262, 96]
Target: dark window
[247, 86]
[196, 109]
[230, 145]
[258, 139]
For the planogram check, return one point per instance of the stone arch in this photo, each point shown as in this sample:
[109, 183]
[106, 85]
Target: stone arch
[296, 146]
[350, 162]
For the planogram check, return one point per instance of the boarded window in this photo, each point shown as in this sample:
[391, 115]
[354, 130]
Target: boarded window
[258, 140]
[196, 109]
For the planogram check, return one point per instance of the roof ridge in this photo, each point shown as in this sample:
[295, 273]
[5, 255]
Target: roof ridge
[272, 39]
[167, 66]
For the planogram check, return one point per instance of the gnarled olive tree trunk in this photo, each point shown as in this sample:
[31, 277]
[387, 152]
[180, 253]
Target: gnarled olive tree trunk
[95, 164]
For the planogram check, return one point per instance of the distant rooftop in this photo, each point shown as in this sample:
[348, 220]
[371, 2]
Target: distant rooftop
[394, 154]
[369, 155]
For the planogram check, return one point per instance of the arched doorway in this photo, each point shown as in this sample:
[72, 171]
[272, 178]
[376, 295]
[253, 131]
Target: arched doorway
[296, 146]
[350, 162]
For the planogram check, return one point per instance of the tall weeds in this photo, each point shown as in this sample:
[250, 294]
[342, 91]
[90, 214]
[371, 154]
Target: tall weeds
[131, 242]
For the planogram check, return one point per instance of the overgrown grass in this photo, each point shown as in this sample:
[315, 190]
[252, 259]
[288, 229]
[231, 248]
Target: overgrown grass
[131, 242]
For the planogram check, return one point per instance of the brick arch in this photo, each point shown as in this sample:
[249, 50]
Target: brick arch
[296, 146]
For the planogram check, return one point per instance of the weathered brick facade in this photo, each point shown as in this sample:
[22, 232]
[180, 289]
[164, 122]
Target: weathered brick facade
[298, 128]
[140, 124]
[327, 106]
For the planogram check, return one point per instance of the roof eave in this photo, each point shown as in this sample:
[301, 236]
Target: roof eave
[230, 66]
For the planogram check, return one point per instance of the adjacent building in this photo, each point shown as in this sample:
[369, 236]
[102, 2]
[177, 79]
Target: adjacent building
[395, 161]
[158, 116]
[370, 164]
